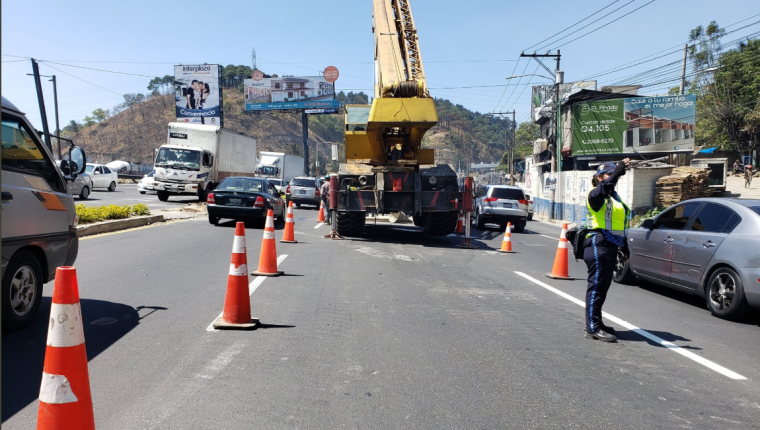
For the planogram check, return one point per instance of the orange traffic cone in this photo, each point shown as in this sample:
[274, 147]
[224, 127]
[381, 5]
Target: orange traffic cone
[560, 271]
[460, 223]
[290, 234]
[237, 302]
[506, 244]
[268, 255]
[321, 216]
[65, 399]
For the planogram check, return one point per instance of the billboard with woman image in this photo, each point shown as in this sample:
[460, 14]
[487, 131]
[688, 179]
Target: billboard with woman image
[198, 94]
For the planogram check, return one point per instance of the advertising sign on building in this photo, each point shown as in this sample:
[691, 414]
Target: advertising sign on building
[198, 94]
[634, 125]
[308, 92]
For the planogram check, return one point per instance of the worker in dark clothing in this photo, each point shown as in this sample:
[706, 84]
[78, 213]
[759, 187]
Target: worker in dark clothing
[608, 220]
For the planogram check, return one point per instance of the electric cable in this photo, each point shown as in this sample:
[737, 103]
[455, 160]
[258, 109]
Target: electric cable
[560, 32]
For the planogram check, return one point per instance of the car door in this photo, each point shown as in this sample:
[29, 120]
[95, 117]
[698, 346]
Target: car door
[97, 177]
[110, 176]
[697, 245]
[652, 253]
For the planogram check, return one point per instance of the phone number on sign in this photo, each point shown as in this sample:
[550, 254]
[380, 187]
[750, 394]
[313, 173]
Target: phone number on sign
[598, 141]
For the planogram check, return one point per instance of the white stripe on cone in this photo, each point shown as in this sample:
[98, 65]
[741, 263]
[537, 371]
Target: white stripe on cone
[270, 223]
[238, 245]
[241, 270]
[562, 244]
[56, 390]
[65, 328]
[268, 234]
[289, 219]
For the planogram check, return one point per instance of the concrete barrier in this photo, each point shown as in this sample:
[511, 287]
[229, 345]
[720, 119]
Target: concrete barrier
[117, 224]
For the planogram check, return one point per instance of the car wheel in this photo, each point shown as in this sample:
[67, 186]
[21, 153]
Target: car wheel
[85, 193]
[142, 192]
[298, 205]
[622, 273]
[530, 217]
[213, 220]
[519, 228]
[163, 195]
[22, 290]
[480, 223]
[112, 186]
[725, 294]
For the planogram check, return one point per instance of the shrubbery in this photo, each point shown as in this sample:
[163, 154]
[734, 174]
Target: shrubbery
[101, 213]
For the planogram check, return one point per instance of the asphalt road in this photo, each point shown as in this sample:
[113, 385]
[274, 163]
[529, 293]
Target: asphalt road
[394, 330]
[127, 194]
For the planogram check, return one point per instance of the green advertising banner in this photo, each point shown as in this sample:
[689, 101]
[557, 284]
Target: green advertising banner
[634, 125]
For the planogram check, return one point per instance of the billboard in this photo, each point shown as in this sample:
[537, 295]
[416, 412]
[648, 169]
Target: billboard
[542, 96]
[198, 94]
[305, 92]
[634, 125]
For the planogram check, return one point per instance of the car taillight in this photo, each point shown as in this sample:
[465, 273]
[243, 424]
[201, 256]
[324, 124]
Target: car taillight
[259, 202]
[210, 198]
[524, 202]
[490, 199]
[316, 192]
[287, 191]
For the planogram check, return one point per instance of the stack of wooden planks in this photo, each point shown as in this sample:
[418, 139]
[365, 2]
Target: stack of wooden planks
[683, 184]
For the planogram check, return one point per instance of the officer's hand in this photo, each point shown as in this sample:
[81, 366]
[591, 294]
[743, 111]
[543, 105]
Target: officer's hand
[627, 161]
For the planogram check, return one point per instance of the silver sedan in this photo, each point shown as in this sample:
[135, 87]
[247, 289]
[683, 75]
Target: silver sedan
[709, 247]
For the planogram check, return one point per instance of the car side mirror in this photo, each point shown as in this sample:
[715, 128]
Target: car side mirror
[648, 224]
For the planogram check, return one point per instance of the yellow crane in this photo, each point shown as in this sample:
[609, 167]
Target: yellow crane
[386, 169]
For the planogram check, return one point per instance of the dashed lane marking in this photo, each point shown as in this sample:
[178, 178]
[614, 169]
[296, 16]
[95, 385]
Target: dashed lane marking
[318, 225]
[257, 281]
[675, 348]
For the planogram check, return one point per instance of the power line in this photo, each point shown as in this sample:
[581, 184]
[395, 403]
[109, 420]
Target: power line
[505, 89]
[560, 32]
[87, 82]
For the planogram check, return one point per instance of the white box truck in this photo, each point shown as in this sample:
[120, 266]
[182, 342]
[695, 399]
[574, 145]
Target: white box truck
[279, 165]
[196, 157]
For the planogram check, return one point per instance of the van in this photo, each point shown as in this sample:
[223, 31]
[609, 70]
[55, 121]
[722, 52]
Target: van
[38, 216]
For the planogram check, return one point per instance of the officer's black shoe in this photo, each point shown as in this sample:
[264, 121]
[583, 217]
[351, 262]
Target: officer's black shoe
[608, 329]
[601, 335]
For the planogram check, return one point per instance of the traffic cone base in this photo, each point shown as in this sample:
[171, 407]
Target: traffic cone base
[237, 300]
[268, 255]
[289, 234]
[560, 269]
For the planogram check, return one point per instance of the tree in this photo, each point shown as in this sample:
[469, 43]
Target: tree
[155, 84]
[73, 127]
[99, 115]
[526, 134]
[704, 52]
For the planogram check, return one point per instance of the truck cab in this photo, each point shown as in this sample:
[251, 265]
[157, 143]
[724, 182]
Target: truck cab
[183, 165]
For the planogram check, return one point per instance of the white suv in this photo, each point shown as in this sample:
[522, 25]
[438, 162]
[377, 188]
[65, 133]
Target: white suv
[38, 216]
[499, 205]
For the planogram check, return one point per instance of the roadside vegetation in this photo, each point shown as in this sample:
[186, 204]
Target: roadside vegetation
[89, 214]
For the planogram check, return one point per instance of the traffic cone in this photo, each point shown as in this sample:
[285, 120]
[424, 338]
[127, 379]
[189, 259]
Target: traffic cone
[290, 234]
[65, 399]
[321, 216]
[559, 270]
[460, 223]
[268, 255]
[237, 302]
[506, 244]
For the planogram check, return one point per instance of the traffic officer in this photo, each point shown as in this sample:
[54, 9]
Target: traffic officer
[608, 219]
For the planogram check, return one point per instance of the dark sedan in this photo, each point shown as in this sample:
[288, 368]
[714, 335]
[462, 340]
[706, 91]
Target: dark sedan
[709, 247]
[245, 199]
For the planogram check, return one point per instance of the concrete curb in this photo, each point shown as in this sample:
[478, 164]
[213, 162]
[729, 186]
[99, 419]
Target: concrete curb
[117, 224]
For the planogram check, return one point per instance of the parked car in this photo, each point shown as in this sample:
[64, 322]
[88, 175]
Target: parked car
[102, 176]
[530, 207]
[303, 190]
[244, 198]
[278, 183]
[501, 204]
[709, 247]
[38, 216]
[80, 186]
[146, 183]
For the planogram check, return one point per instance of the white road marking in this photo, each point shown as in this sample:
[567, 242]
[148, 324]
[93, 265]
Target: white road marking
[675, 348]
[257, 281]
[318, 225]
[552, 238]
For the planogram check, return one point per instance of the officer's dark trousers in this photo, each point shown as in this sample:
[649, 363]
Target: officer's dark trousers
[600, 256]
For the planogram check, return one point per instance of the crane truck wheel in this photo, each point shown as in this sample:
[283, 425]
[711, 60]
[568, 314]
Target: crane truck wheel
[163, 195]
[440, 223]
[417, 219]
[350, 223]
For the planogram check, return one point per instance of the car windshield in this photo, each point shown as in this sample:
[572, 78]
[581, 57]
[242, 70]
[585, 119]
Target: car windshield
[88, 169]
[241, 184]
[303, 182]
[177, 158]
[507, 193]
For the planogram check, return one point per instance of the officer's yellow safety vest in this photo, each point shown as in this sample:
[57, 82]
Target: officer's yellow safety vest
[612, 216]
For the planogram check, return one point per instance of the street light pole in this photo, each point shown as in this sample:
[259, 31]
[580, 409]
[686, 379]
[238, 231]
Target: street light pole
[57, 125]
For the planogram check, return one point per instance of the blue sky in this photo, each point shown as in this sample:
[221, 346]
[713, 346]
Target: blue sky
[468, 48]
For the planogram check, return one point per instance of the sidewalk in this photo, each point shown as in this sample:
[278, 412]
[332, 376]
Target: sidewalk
[735, 188]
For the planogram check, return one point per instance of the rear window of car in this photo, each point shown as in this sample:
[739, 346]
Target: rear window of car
[303, 182]
[241, 184]
[755, 209]
[507, 193]
[715, 219]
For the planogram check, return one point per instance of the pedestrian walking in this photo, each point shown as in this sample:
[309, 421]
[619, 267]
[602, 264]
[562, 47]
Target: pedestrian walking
[608, 221]
[325, 194]
[747, 176]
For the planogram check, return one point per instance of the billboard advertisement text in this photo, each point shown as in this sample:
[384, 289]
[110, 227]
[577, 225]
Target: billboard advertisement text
[306, 92]
[634, 125]
[198, 94]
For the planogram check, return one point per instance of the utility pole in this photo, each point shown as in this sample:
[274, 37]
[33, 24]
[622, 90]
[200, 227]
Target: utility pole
[41, 101]
[510, 149]
[305, 127]
[57, 125]
[683, 70]
[556, 166]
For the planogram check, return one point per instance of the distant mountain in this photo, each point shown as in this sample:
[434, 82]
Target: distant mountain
[133, 134]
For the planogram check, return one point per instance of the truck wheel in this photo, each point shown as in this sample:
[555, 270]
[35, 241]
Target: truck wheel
[163, 195]
[202, 195]
[112, 186]
[85, 193]
[22, 290]
[440, 223]
[350, 223]
[417, 219]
